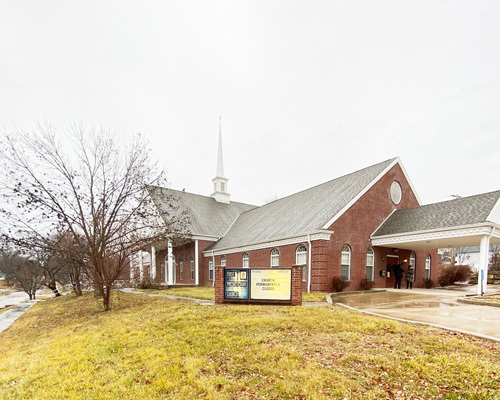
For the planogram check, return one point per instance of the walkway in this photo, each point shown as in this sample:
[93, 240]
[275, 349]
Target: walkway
[20, 302]
[170, 297]
[434, 307]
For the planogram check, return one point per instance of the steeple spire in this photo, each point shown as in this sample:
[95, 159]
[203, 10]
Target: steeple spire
[220, 182]
[220, 161]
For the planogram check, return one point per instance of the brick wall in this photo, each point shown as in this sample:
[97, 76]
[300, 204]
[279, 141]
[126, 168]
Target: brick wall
[355, 227]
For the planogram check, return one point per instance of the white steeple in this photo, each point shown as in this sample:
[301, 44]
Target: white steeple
[220, 182]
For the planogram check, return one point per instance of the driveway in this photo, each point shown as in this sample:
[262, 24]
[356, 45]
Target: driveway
[434, 307]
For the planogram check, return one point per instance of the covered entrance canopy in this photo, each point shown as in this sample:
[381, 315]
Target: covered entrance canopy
[468, 221]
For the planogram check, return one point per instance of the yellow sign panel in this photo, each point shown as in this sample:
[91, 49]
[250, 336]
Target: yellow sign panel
[270, 284]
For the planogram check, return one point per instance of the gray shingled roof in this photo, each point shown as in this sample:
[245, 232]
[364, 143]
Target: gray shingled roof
[206, 215]
[447, 214]
[300, 213]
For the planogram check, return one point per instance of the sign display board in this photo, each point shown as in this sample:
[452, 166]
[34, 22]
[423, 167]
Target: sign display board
[270, 284]
[236, 284]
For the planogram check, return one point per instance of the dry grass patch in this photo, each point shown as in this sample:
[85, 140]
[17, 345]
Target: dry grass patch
[495, 299]
[66, 348]
[199, 292]
[315, 297]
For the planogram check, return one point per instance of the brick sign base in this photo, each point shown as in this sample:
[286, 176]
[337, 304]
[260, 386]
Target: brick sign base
[296, 291]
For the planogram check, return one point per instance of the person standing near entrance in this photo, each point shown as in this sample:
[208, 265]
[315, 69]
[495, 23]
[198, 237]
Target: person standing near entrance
[398, 275]
[410, 277]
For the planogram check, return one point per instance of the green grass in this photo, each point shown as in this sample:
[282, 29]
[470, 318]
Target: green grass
[66, 348]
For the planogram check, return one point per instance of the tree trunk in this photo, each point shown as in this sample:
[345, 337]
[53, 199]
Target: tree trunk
[78, 289]
[106, 297]
[52, 285]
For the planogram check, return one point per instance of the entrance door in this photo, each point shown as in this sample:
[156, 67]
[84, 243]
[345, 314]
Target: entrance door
[389, 274]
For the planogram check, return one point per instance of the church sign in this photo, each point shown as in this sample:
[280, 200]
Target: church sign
[270, 284]
[259, 284]
[236, 284]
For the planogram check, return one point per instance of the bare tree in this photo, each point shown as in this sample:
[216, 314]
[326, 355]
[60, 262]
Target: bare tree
[25, 271]
[495, 258]
[93, 189]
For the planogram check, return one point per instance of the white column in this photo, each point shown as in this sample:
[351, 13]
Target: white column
[170, 271]
[141, 267]
[153, 263]
[484, 252]
[196, 264]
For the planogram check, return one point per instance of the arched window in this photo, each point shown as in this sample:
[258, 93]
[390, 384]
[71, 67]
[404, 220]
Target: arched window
[246, 260]
[275, 258]
[301, 259]
[345, 263]
[211, 269]
[223, 261]
[191, 269]
[412, 260]
[370, 262]
[428, 267]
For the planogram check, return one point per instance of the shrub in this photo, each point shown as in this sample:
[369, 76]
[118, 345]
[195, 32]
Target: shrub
[429, 283]
[367, 284]
[454, 273]
[340, 283]
[146, 283]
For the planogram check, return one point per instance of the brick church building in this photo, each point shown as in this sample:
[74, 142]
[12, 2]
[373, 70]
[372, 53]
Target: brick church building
[356, 226]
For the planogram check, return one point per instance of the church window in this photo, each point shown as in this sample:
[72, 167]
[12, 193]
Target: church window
[246, 260]
[370, 262]
[181, 270]
[345, 263]
[275, 258]
[427, 267]
[211, 269]
[301, 259]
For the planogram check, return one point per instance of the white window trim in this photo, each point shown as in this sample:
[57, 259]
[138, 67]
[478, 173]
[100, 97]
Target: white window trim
[247, 259]
[302, 254]
[372, 265]
[348, 262]
[275, 256]
[211, 269]
[428, 266]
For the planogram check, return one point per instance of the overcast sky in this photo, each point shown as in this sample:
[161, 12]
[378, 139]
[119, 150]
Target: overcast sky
[307, 90]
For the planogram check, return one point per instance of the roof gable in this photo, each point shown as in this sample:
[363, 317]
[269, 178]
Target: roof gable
[461, 212]
[304, 212]
[206, 216]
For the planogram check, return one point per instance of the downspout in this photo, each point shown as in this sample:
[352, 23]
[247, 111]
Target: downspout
[213, 270]
[309, 255]
[196, 264]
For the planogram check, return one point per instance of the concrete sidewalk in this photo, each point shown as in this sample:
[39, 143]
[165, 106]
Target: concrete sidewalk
[434, 307]
[170, 297]
[8, 317]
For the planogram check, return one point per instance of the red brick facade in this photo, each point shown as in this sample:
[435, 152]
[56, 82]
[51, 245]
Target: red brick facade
[352, 228]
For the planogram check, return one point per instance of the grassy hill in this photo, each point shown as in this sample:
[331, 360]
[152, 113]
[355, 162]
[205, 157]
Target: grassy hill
[145, 348]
